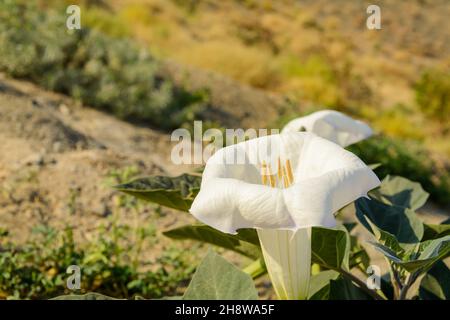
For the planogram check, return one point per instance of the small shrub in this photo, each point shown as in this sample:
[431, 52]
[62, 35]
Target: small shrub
[37, 269]
[433, 94]
[106, 73]
[407, 160]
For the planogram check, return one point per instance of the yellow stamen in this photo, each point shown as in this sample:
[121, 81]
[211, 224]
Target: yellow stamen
[285, 178]
[263, 173]
[279, 173]
[289, 172]
[272, 181]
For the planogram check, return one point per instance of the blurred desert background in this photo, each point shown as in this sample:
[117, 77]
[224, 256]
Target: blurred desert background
[83, 110]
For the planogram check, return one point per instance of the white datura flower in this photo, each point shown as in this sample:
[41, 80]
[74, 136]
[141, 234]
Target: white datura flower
[281, 185]
[331, 125]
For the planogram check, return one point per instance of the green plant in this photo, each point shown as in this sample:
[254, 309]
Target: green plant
[37, 268]
[107, 73]
[112, 262]
[410, 252]
[433, 94]
[405, 159]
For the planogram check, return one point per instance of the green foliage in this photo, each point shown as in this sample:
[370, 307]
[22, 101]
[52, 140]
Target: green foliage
[411, 246]
[434, 231]
[436, 283]
[433, 94]
[217, 279]
[401, 222]
[106, 73]
[407, 160]
[173, 192]
[328, 247]
[344, 289]
[245, 242]
[37, 269]
[402, 192]
[319, 288]
[87, 296]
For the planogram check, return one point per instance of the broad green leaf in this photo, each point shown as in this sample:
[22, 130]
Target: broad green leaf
[386, 286]
[420, 258]
[173, 192]
[344, 289]
[385, 238]
[319, 285]
[401, 222]
[217, 279]
[245, 242]
[399, 191]
[350, 226]
[358, 255]
[436, 283]
[434, 231]
[87, 296]
[387, 252]
[328, 247]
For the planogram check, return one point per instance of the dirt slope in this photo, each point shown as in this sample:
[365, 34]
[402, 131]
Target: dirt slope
[55, 157]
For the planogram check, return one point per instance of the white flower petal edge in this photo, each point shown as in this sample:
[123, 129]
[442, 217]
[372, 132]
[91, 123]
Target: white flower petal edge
[331, 125]
[326, 178]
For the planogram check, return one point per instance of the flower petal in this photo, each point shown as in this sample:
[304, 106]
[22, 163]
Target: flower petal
[326, 178]
[331, 125]
[287, 255]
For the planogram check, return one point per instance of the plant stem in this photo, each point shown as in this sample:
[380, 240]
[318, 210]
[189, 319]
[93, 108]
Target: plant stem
[361, 285]
[396, 281]
[404, 291]
[255, 269]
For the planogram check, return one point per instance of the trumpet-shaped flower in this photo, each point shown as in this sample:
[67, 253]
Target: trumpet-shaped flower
[331, 125]
[281, 185]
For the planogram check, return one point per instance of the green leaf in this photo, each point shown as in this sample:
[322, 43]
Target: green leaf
[385, 238]
[434, 231]
[401, 222]
[436, 283]
[399, 191]
[87, 296]
[432, 251]
[217, 279]
[421, 257]
[350, 226]
[173, 192]
[328, 247]
[386, 286]
[387, 252]
[344, 289]
[358, 255]
[245, 242]
[319, 286]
